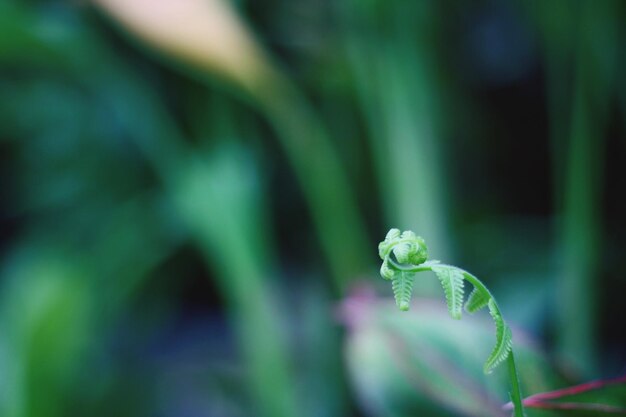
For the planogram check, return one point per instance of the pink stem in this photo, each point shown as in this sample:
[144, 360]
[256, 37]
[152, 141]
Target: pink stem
[575, 406]
[539, 400]
[577, 389]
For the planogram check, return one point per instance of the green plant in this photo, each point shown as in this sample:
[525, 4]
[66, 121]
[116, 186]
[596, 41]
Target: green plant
[404, 254]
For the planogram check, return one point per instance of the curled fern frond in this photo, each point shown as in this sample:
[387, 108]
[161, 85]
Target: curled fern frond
[477, 299]
[406, 247]
[385, 247]
[452, 283]
[402, 284]
[386, 271]
[404, 254]
[418, 252]
[504, 339]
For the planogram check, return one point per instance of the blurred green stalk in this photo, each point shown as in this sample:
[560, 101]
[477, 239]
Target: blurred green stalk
[580, 240]
[392, 58]
[578, 173]
[319, 169]
[220, 200]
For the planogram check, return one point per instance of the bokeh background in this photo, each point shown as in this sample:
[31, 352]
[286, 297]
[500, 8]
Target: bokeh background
[192, 193]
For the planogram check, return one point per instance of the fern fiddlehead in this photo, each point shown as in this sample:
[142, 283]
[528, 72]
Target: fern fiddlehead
[404, 254]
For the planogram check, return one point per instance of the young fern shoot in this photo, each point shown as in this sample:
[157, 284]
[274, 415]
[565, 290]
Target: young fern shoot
[405, 254]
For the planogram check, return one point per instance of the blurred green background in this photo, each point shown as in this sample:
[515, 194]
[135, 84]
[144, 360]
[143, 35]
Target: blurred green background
[192, 193]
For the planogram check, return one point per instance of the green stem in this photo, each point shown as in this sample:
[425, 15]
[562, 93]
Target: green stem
[516, 393]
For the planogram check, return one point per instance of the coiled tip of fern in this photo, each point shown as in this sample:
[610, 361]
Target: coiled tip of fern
[392, 234]
[384, 247]
[404, 306]
[407, 247]
[385, 271]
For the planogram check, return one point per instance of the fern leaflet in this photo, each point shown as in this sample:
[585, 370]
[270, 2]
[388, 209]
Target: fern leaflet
[477, 299]
[503, 339]
[452, 282]
[402, 284]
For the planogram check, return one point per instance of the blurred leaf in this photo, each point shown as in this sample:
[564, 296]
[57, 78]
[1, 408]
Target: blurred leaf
[423, 362]
[204, 33]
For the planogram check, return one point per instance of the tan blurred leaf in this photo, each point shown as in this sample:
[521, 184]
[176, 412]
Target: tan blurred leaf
[206, 34]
